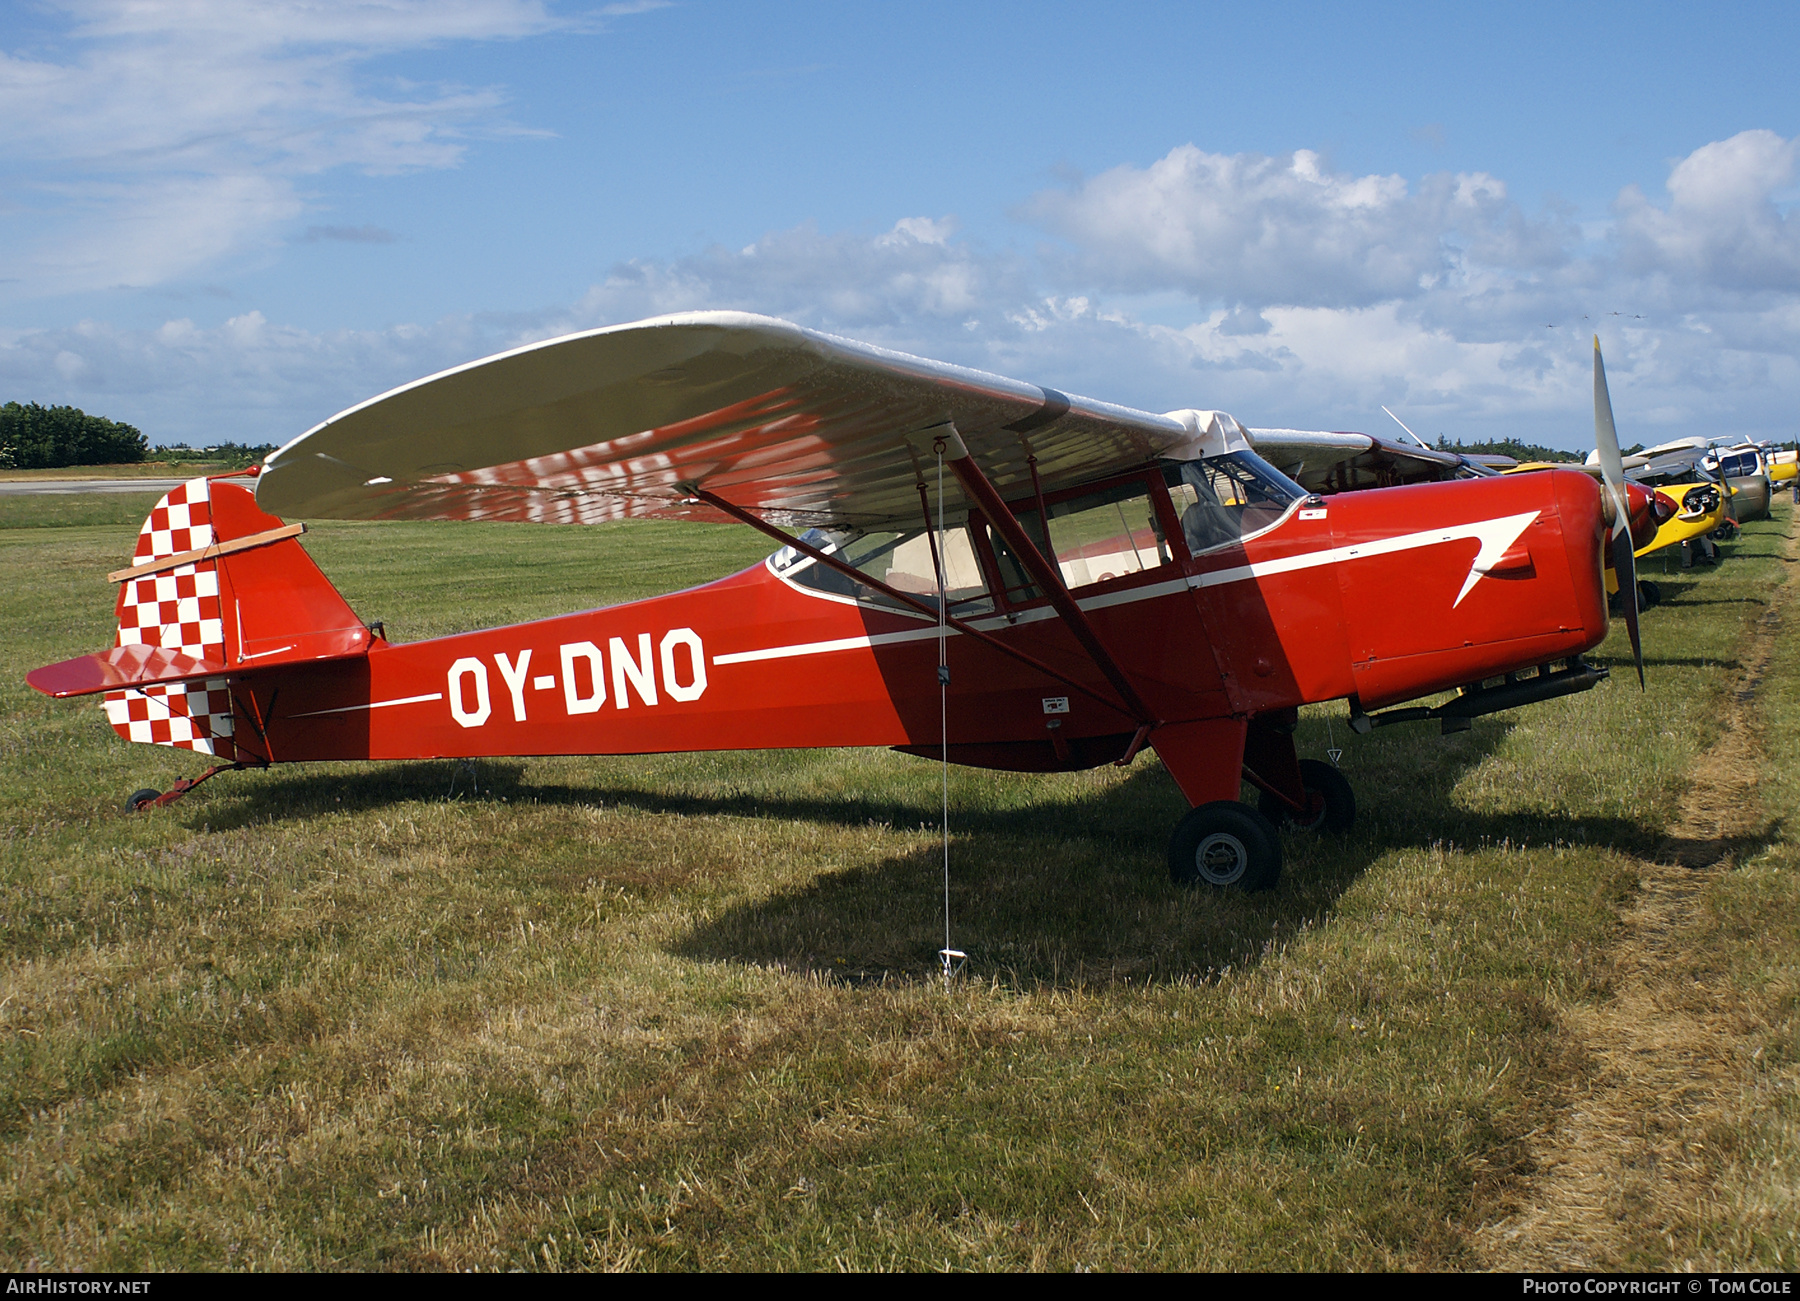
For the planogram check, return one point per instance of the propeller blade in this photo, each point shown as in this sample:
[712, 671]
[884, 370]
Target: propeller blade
[1628, 596]
[1612, 469]
[1725, 487]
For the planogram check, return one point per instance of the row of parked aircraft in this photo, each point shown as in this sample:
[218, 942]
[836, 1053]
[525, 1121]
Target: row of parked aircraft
[968, 568]
[1738, 481]
[1703, 490]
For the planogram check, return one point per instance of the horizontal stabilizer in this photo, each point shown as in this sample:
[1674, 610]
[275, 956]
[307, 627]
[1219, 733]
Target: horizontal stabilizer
[118, 668]
[216, 590]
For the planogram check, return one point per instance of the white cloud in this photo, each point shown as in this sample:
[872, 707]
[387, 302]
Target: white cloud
[149, 230]
[1245, 228]
[1314, 291]
[1721, 231]
[1485, 334]
[247, 380]
[913, 272]
[920, 230]
[253, 380]
[176, 134]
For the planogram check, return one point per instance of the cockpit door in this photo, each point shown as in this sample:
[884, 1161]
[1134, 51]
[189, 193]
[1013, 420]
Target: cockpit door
[1261, 581]
[1114, 545]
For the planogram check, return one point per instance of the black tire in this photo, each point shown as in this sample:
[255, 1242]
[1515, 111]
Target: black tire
[141, 799]
[1226, 845]
[1649, 594]
[1325, 785]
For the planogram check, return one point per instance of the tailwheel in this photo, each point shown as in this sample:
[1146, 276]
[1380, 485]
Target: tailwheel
[144, 798]
[1649, 594]
[1227, 845]
[1331, 804]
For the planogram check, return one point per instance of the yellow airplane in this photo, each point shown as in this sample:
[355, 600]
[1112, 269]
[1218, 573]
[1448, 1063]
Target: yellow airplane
[1684, 512]
[1692, 511]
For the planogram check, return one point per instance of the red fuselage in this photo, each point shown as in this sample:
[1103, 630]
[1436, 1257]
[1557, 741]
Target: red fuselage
[1383, 596]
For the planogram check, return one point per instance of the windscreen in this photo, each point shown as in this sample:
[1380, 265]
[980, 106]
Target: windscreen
[1225, 499]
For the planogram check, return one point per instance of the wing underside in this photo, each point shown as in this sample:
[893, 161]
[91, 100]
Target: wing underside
[626, 422]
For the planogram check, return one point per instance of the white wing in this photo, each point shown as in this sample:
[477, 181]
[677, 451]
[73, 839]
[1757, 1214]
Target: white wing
[801, 427]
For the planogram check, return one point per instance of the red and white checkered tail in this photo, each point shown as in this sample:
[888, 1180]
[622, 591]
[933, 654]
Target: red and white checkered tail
[178, 608]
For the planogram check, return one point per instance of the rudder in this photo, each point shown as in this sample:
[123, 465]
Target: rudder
[179, 609]
[252, 600]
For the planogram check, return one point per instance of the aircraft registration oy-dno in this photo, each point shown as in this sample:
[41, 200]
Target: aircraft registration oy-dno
[969, 567]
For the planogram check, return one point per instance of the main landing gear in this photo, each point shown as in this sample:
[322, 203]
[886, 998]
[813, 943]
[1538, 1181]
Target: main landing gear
[1229, 845]
[1330, 803]
[1225, 844]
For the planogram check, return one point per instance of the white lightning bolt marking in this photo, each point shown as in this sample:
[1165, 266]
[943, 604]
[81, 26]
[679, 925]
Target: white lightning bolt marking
[1496, 536]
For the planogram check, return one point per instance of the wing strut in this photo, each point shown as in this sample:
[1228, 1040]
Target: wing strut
[1043, 572]
[856, 575]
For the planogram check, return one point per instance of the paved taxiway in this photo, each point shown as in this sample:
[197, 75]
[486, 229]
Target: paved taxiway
[26, 487]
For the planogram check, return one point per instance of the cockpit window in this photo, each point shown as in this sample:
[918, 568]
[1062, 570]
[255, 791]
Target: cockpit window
[1099, 535]
[899, 558]
[1224, 499]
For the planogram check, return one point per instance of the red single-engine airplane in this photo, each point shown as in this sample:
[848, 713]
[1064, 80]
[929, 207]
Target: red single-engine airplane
[970, 568]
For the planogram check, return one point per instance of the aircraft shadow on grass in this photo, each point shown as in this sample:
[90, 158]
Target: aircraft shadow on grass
[1723, 600]
[1622, 664]
[1072, 894]
[1702, 852]
[1067, 891]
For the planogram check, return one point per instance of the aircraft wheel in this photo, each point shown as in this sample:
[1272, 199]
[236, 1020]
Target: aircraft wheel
[1225, 844]
[141, 799]
[1649, 594]
[1328, 792]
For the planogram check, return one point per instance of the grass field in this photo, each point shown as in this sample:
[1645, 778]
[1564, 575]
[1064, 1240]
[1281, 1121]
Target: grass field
[679, 1012]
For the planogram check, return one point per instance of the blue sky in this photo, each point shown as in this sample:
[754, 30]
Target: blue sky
[230, 220]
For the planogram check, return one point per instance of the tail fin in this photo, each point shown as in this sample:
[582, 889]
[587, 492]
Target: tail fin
[244, 597]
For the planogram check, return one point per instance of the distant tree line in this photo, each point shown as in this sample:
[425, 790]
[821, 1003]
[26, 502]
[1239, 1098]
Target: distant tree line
[235, 455]
[1508, 447]
[36, 437]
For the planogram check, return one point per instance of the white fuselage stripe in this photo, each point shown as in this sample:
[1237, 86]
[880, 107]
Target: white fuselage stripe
[1495, 535]
[378, 704]
[1485, 531]
[826, 647]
